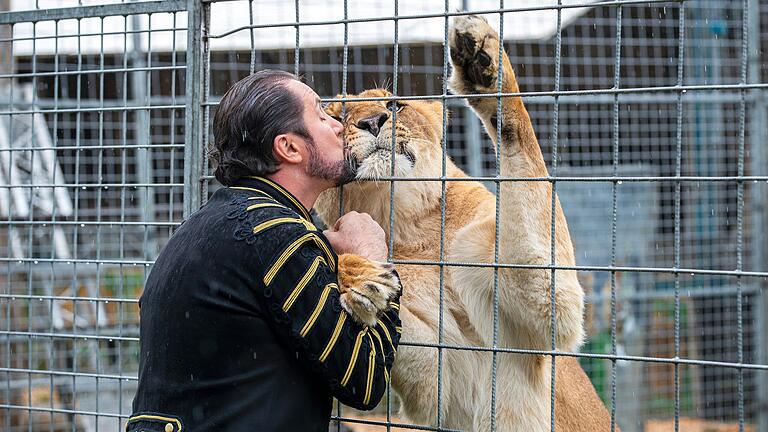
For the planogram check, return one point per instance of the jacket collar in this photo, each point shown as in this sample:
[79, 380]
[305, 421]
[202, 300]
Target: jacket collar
[275, 191]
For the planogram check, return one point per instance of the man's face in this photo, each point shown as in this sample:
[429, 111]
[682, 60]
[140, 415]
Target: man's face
[328, 158]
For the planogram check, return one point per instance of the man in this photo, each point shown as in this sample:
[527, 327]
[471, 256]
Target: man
[241, 324]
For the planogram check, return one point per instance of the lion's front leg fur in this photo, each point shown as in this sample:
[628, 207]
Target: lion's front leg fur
[525, 210]
[366, 287]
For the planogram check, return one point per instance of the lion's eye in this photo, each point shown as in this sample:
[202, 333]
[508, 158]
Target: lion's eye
[395, 105]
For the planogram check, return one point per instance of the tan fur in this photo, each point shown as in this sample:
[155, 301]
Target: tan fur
[366, 287]
[469, 236]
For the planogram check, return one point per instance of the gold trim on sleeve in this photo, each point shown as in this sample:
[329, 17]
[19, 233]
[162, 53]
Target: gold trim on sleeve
[353, 358]
[369, 381]
[319, 308]
[303, 283]
[334, 336]
[154, 417]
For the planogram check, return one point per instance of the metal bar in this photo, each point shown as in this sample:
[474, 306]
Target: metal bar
[101, 70]
[614, 207]
[740, 211]
[88, 185]
[205, 95]
[74, 412]
[585, 179]
[104, 147]
[677, 199]
[82, 336]
[553, 216]
[611, 91]
[66, 373]
[758, 136]
[441, 15]
[683, 271]
[689, 271]
[96, 11]
[497, 220]
[565, 99]
[441, 253]
[106, 33]
[87, 110]
[68, 298]
[390, 424]
[646, 359]
[193, 134]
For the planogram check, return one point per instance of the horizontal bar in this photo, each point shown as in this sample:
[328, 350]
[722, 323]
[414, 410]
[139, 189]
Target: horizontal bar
[735, 273]
[643, 99]
[90, 185]
[55, 223]
[655, 295]
[96, 11]
[65, 373]
[96, 147]
[92, 71]
[67, 298]
[62, 411]
[684, 361]
[123, 262]
[112, 33]
[393, 424]
[596, 179]
[69, 336]
[557, 353]
[720, 292]
[610, 91]
[95, 109]
[439, 15]
[590, 179]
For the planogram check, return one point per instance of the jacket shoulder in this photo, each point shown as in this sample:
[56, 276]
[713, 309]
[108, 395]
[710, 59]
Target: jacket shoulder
[264, 220]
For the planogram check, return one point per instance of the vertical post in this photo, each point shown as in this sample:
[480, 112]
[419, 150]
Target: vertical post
[6, 61]
[193, 134]
[758, 136]
[142, 137]
[472, 137]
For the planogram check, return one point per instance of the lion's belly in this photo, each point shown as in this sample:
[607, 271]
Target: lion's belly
[465, 375]
[416, 369]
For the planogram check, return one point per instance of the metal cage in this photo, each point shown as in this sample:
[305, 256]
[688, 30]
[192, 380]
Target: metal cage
[652, 116]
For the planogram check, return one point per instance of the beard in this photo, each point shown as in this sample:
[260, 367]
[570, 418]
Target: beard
[340, 172]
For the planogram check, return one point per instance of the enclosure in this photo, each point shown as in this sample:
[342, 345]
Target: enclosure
[652, 116]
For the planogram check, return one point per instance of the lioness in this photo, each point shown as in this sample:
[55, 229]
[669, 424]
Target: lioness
[523, 380]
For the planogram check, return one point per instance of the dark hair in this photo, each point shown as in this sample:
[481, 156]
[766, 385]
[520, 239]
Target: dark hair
[251, 114]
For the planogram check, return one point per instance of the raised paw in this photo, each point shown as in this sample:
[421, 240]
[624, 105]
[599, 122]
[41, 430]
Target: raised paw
[474, 46]
[366, 287]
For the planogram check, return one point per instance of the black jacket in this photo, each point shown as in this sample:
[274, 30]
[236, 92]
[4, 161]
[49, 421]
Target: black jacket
[241, 325]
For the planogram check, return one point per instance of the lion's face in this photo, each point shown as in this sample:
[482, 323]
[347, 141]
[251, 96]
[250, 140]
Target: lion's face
[368, 131]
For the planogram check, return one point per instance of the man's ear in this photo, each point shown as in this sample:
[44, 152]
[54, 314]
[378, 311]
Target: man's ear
[288, 149]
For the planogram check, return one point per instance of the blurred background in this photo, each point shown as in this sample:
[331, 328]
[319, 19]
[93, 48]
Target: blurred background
[105, 110]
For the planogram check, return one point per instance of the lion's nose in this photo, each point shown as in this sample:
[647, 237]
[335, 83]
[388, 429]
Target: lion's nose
[373, 123]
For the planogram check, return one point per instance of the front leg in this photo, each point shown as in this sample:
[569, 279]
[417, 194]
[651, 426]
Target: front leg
[526, 206]
[474, 47]
[366, 287]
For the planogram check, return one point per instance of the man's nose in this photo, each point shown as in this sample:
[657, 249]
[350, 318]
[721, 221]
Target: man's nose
[338, 127]
[373, 123]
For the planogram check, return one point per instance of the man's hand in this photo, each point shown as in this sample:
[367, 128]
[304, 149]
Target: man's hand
[357, 233]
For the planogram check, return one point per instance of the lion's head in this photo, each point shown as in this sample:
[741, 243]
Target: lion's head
[368, 132]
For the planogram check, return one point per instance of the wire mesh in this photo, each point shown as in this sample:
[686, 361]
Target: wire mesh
[651, 116]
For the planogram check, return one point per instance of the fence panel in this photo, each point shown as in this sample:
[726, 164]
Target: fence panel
[651, 117]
